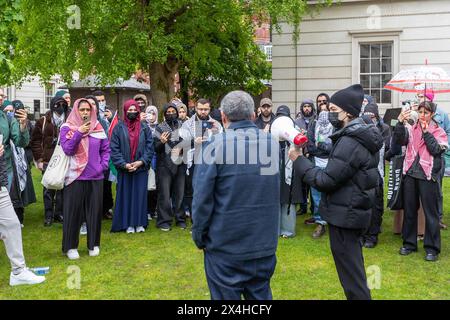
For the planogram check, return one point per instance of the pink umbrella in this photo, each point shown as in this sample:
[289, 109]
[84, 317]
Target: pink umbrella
[420, 79]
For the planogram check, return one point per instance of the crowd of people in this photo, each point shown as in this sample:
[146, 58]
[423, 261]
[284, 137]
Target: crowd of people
[153, 163]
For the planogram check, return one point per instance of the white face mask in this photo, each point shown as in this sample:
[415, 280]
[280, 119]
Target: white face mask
[102, 106]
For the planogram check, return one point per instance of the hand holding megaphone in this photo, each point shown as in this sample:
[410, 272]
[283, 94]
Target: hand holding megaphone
[283, 128]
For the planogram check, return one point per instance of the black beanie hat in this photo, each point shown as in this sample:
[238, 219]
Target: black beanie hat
[349, 99]
[372, 108]
[284, 111]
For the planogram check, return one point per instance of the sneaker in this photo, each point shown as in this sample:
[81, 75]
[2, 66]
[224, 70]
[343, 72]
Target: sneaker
[58, 218]
[149, 217]
[140, 229]
[130, 230]
[48, 222]
[25, 277]
[442, 225]
[95, 252]
[310, 221]
[182, 225]
[320, 231]
[72, 254]
[165, 229]
[22, 226]
[83, 229]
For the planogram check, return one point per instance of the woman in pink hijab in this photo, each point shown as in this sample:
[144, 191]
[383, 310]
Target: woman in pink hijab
[84, 140]
[426, 143]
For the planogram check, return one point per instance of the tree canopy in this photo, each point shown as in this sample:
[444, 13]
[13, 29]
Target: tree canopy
[210, 42]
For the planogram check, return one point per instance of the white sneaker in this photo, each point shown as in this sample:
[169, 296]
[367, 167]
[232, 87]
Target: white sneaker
[83, 229]
[130, 230]
[25, 277]
[72, 254]
[95, 252]
[149, 217]
[140, 229]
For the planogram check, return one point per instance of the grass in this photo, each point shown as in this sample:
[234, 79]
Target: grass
[158, 265]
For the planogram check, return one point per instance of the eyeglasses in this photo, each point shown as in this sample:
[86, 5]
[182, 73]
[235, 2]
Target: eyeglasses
[322, 101]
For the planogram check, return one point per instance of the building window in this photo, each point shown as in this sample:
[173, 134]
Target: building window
[268, 51]
[49, 93]
[376, 70]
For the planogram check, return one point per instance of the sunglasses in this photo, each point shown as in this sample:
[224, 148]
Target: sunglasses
[322, 101]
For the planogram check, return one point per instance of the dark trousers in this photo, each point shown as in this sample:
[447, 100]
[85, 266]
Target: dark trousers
[152, 199]
[233, 279]
[170, 196]
[377, 216]
[108, 202]
[441, 198]
[53, 202]
[347, 253]
[82, 202]
[416, 191]
[188, 191]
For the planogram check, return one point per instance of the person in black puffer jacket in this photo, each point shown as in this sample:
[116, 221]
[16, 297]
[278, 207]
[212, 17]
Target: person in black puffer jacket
[348, 184]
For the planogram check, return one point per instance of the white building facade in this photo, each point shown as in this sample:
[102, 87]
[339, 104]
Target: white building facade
[32, 93]
[365, 42]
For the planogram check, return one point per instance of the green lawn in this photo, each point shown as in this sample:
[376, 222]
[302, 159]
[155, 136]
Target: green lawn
[158, 265]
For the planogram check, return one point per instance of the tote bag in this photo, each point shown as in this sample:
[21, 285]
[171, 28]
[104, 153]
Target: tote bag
[151, 180]
[395, 192]
[56, 171]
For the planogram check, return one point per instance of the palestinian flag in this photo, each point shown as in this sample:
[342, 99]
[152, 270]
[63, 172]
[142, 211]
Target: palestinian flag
[114, 122]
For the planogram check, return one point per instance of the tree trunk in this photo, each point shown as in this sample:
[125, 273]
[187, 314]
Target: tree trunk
[162, 81]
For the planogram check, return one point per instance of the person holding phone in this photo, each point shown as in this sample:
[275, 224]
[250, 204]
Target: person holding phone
[83, 138]
[14, 127]
[22, 190]
[425, 143]
[170, 170]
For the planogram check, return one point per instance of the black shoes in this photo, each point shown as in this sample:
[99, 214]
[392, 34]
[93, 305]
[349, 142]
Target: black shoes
[370, 244]
[182, 225]
[58, 218]
[48, 222]
[406, 251]
[431, 257]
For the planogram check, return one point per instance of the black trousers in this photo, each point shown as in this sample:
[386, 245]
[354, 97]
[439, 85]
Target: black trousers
[170, 196]
[416, 191]
[188, 190]
[347, 253]
[377, 216]
[108, 201]
[83, 201]
[441, 198]
[152, 200]
[230, 279]
[53, 202]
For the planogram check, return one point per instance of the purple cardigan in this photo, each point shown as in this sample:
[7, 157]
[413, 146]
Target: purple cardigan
[98, 157]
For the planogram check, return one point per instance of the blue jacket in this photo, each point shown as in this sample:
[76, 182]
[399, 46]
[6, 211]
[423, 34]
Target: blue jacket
[120, 147]
[236, 207]
[442, 119]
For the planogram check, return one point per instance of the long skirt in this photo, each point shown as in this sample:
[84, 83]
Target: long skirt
[131, 201]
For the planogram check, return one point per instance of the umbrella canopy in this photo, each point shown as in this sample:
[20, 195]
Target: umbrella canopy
[419, 79]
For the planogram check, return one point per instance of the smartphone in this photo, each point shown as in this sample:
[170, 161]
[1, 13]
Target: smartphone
[85, 119]
[21, 109]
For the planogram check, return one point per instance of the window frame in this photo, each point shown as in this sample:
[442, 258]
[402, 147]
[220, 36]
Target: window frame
[368, 37]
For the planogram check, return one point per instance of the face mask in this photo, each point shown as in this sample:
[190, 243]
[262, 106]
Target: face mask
[59, 109]
[171, 118]
[333, 117]
[102, 106]
[10, 114]
[132, 115]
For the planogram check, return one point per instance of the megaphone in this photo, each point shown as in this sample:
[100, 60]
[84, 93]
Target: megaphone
[283, 129]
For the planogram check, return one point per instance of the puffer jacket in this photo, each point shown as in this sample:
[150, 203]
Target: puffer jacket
[350, 178]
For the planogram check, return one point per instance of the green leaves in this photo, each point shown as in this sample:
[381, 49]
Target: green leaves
[212, 39]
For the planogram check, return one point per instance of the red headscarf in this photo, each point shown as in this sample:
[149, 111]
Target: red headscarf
[134, 127]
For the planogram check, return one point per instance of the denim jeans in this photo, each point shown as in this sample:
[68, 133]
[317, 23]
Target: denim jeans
[316, 195]
[287, 221]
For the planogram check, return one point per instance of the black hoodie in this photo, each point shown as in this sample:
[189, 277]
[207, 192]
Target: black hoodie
[350, 178]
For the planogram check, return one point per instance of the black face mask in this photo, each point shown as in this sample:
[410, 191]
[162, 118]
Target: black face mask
[59, 109]
[171, 118]
[333, 117]
[132, 116]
